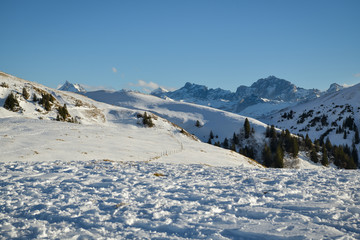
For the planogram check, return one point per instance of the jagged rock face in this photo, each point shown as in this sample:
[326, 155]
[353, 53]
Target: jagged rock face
[195, 91]
[77, 88]
[270, 90]
[274, 88]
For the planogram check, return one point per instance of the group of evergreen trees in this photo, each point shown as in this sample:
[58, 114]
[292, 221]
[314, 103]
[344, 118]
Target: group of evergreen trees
[278, 143]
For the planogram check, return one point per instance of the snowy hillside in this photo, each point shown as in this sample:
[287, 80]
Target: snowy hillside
[222, 123]
[208, 124]
[105, 131]
[322, 117]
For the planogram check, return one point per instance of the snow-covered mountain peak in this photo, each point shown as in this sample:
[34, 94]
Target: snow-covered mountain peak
[334, 88]
[70, 87]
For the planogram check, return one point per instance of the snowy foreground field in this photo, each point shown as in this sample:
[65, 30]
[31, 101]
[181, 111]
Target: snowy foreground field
[138, 200]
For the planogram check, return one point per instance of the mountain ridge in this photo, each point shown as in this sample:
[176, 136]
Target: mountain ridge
[271, 92]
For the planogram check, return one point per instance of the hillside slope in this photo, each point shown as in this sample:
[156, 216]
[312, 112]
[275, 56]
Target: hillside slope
[105, 131]
[322, 117]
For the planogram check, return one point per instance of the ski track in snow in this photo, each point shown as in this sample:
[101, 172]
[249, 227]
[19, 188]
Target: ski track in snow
[138, 200]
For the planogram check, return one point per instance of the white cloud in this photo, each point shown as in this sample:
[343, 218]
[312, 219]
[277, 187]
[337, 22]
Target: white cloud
[114, 70]
[145, 86]
[357, 75]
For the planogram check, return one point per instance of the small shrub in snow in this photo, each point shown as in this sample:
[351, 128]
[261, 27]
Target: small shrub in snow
[147, 121]
[25, 93]
[4, 85]
[11, 103]
[63, 113]
[198, 124]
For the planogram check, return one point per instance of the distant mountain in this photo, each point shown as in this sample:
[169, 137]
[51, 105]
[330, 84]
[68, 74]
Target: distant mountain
[265, 96]
[70, 87]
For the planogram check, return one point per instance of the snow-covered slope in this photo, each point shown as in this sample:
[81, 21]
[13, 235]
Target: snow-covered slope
[322, 117]
[105, 132]
[222, 123]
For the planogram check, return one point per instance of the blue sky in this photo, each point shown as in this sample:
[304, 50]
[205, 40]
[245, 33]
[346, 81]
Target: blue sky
[145, 44]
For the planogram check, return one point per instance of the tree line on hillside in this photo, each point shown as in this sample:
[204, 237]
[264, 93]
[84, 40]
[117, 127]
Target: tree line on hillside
[277, 144]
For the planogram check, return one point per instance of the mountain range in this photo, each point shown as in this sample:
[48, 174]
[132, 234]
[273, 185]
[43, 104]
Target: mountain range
[262, 98]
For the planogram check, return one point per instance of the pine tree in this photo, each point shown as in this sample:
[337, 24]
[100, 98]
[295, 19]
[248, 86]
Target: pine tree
[63, 113]
[25, 93]
[313, 156]
[279, 157]
[247, 128]
[356, 138]
[345, 134]
[267, 133]
[308, 142]
[324, 158]
[355, 156]
[211, 135]
[272, 132]
[197, 124]
[226, 143]
[295, 147]
[35, 99]
[328, 145]
[235, 139]
[11, 103]
[266, 155]
[233, 148]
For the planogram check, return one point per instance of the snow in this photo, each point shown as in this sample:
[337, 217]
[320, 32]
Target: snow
[110, 177]
[104, 199]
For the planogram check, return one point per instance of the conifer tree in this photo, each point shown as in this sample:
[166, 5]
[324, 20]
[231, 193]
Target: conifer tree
[295, 147]
[356, 138]
[197, 124]
[266, 155]
[324, 158]
[11, 103]
[25, 93]
[279, 157]
[35, 99]
[247, 128]
[267, 133]
[235, 139]
[313, 156]
[233, 148]
[226, 143]
[308, 142]
[272, 132]
[328, 145]
[355, 156]
[211, 135]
